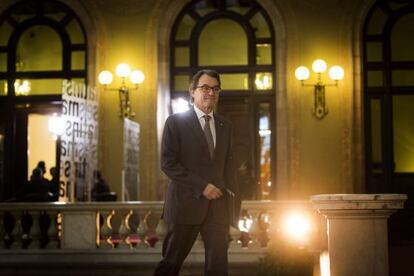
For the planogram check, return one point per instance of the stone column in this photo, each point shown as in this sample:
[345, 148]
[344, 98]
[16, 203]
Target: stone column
[357, 231]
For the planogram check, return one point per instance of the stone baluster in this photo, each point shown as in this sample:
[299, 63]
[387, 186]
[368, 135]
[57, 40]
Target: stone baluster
[106, 229]
[254, 230]
[273, 229]
[124, 231]
[235, 236]
[34, 232]
[52, 231]
[199, 243]
[161, 231]
[142, 231]
[17, 232]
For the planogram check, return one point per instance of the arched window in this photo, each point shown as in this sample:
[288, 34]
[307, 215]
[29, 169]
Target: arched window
[236, 39]
[41, 43]
[389, 96]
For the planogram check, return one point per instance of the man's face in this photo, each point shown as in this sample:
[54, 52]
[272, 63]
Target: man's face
[206, 94]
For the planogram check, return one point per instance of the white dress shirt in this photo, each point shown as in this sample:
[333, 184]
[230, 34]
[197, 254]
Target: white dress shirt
[200, 116]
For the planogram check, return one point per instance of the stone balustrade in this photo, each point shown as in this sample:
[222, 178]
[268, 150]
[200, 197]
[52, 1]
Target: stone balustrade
[116, 225]
[95, 235]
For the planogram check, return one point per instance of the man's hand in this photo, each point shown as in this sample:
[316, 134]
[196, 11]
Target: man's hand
[212, 192]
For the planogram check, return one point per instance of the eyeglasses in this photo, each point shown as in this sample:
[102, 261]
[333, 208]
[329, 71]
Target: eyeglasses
[206, 88]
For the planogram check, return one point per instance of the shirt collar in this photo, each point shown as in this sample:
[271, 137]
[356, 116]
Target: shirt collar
[200, 113]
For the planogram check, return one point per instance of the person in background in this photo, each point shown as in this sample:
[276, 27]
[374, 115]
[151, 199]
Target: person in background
[42, 166]
[36, 189]
[54, 183]
[101, 190]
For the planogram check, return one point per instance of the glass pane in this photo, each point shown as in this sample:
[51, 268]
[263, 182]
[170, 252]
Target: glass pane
[239, 6]
[78, 60]
[374, 51]
[39, 49]
[222, 42]
[403, 114]
[56, 15]
[40, 143]
[397, 6]
[5, 31]
[376, 22]
[38, 87]
[263, 81]
[263, 54]
[375, 105]
[182, 56]
[402, 43]
[374, 78]
[185, 28]
[3, 62]
[79, 80]
[234, 81]
[240, 10]
[181, 83]
[265, 135]
[403, 77]
[23, 15]
[260, 26]
[204, 7]
[3, 87]
[75, 32]
[2, 154]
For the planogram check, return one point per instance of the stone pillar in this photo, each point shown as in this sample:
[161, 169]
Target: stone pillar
[79, 228]
[357, 231]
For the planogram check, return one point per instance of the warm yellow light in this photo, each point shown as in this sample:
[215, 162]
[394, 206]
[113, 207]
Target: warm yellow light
[336, 72]
[297, 226]
[56, 126]
[302, 73]
[245, 224]
[324, 264]
[137, 76]
[22, 87]
[319, 66]
[105, 77]
[179, 105]
[123, 70]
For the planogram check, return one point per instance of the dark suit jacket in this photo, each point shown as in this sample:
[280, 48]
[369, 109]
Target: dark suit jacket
[186, 161]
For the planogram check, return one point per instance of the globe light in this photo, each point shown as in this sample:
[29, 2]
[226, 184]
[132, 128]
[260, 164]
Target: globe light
[319, 66]
[336, 72]
[105, 77]
[123, 70]
[137, 77]
[302, 73]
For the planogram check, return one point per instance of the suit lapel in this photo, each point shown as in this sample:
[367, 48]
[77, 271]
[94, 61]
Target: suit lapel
[220, 135]
[194, 123]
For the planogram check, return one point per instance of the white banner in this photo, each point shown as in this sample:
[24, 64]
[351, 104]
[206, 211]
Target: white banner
[130, 173]
[79, 142]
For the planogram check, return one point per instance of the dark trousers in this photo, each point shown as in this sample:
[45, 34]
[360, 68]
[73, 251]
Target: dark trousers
[180, 239]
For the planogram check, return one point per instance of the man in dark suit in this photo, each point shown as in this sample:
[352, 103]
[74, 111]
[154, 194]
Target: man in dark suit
[196, 156]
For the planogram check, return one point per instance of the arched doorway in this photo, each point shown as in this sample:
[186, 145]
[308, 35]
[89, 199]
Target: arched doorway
[236, 39]
[42, 43]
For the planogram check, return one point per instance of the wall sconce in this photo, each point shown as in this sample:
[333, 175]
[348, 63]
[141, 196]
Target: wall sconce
[122, 70]
[319, 66]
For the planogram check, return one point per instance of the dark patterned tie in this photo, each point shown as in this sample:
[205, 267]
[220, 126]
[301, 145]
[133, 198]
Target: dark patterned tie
[209, 135]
